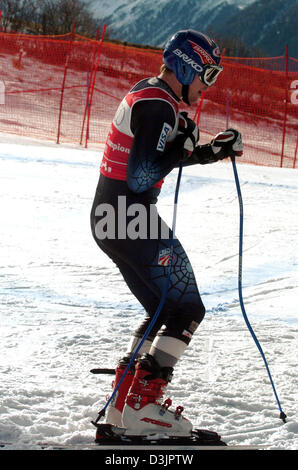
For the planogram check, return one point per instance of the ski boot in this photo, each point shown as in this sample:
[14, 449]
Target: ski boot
[143, 413]
[114, 410]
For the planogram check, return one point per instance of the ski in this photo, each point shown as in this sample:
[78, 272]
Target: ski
[124, 447]
[107, 434]
[47, 445]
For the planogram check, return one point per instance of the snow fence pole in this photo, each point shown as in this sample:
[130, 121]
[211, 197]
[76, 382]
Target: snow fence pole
[282, 414]
[64, 80]
[101, 414]
[89, 82]
[93, 82]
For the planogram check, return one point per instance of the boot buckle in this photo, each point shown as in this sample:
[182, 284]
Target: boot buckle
[137, 401]
[165, 406]
[178, 412]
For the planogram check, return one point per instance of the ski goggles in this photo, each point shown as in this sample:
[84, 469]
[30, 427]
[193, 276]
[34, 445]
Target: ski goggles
[210, 74]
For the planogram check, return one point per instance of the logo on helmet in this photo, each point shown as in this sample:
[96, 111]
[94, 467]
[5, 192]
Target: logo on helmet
[205, 57]
[188, 60]
[216, 52]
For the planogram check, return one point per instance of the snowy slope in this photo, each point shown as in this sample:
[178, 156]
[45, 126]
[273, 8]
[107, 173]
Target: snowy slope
[64, 308]
[104, 8]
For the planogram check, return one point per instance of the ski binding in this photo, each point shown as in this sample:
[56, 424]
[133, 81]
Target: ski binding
[110, 435]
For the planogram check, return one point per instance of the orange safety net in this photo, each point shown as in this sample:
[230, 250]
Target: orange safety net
[67, 89]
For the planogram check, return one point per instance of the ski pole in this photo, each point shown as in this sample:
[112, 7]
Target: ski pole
[161, 303]
[282, 414]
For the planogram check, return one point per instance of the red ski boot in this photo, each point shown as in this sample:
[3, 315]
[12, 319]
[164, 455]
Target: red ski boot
[143, 412]
[115, 408]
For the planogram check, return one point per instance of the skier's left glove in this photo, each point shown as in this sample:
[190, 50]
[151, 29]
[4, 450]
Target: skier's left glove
[223, 145]
[187, 130]
[227, 144]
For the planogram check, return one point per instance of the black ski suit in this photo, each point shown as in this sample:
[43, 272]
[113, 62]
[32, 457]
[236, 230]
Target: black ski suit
[142, 147]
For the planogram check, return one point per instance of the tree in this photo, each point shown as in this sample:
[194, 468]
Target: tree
[48, 17]
[16, 14]
[58, 17]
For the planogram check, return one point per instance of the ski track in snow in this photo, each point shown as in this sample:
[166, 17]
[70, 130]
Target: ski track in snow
[65, 309]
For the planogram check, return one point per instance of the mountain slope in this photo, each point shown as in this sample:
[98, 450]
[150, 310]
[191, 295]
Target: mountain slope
[144, 22]
[267, 25]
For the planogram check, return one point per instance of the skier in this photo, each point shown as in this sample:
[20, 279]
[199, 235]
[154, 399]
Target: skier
[148, 138]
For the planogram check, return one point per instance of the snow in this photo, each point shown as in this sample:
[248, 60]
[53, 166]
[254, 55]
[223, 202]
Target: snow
[137, 21]
[108, 7]
[66, 310]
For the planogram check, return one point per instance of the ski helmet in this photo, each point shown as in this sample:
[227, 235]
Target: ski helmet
[189, 53]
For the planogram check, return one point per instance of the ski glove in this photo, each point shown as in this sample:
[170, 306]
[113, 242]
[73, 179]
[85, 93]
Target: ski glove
[227, 144]
[223, 145]
[188, 128]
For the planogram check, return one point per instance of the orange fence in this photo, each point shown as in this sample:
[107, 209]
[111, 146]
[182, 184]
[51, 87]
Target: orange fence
[67, 88]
